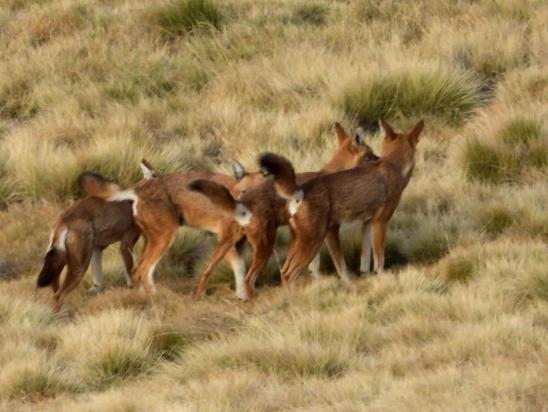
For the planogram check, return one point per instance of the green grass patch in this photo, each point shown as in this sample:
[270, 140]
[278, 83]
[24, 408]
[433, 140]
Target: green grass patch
[168, 344]
[494, 220]
[482, 163]
[185, 16]
[33, 384]
[520, 131]
[116, 364]
[428, 246]
[460, 268]
[447, 94]
[516, 146]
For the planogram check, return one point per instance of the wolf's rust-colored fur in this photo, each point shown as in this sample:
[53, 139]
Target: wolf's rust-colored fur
[369, 193]
[268, 209]
[79, 237]
[163, 203]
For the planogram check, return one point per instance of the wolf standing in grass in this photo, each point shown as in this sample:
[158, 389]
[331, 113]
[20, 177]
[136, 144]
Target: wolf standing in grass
[367, 193]
[79, 237]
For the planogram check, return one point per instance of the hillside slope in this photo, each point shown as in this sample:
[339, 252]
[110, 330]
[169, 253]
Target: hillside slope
[459, 321]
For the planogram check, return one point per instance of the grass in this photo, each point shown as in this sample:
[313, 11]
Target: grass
[508, 151]
[185, 16]
[411, 91]
[458, 319]
[313, 14]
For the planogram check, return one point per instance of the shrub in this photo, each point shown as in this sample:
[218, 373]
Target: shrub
[184, 16]
[411, 91]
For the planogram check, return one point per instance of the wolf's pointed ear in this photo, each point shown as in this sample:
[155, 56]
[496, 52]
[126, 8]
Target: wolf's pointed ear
[359, 137]
[147, 169]
[414, 134]
[238, 170]
[342, 136]
[386, 129]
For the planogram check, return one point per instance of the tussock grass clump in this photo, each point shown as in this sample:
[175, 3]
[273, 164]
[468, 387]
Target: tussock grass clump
[520, 131]
[310, 13]
[116, 363]
[505, 150]
[495, 219]
[458, 266]
[119, 347]
[16, 97]
[184, 16]
[31, 379]
[429, 244]
[411, 91]
[268, 350]
[531, 286]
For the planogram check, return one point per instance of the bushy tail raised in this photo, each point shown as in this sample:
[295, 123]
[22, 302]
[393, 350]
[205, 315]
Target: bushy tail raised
[55, 258]
[97, 186]
[221, 197]
[282, 171]
[215, 192]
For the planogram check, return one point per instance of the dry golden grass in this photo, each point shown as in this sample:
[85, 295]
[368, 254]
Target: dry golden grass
[458, 322]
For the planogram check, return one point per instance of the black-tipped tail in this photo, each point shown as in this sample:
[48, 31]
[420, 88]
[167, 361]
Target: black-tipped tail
[283, 172]
[215, 192]
[54, 262]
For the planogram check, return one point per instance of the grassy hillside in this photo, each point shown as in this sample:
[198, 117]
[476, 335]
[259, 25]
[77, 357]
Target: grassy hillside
[460, 319]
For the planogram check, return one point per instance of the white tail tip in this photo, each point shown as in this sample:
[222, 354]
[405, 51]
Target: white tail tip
[242, 214]
[147, 173]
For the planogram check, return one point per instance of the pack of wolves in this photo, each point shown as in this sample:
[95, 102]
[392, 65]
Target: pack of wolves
[355, 185]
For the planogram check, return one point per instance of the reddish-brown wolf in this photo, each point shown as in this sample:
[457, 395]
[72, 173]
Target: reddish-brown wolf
[163, 203]
[368, 193]
[268, 210]
[80, 235]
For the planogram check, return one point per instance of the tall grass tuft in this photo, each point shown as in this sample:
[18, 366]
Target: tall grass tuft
[310, 13]
[117, 363]
[530, 286]
[496, 219]
[503, 151]
[411, 91]
[185, 16]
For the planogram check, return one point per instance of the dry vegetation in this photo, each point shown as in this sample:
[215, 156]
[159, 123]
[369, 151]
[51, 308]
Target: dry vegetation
[460, 319]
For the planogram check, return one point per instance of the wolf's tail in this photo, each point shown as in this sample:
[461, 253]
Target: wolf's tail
[282, 171]
[222, 198]
[215, 192]
[55, 259]
[97, 186]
